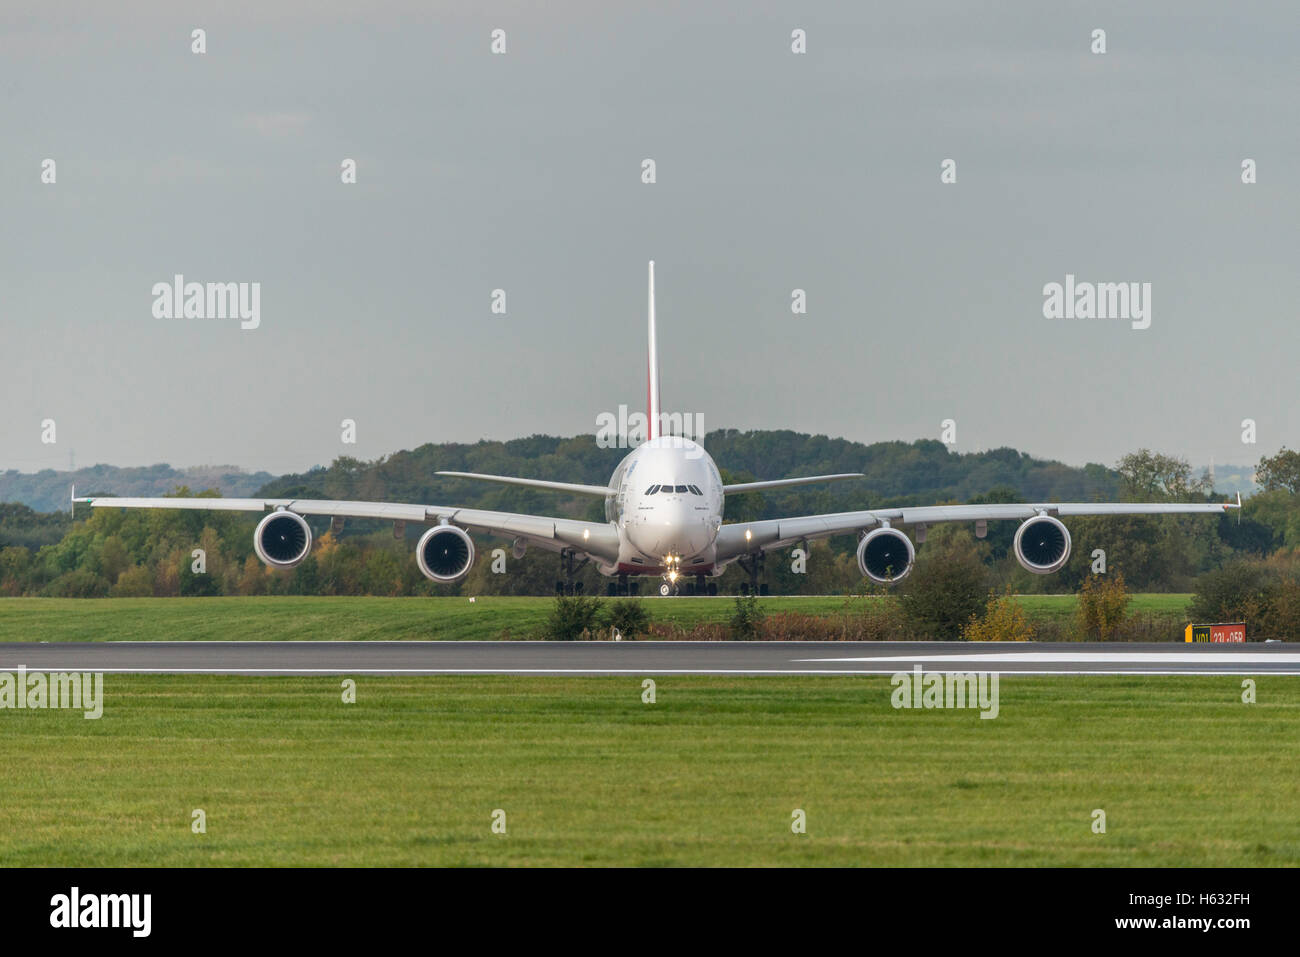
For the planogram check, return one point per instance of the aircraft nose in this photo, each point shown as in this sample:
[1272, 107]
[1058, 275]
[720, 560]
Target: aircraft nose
[673, 529]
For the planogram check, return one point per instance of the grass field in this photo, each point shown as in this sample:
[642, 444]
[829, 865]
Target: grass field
[374, 619]
[1061, 607]
[710, 774]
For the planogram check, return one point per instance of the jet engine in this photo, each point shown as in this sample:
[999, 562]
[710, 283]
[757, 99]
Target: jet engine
[445, 554]
[1042, 545]
[282, 539]
[886, 555]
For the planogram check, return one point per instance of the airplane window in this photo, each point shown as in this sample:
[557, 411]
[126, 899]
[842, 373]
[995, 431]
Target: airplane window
[652, 489]
[681, 490]
[695, 490]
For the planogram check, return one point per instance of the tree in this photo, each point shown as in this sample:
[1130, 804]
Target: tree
[1149, 476]
[192, 584]
[744, 506]
[572, 618]
[1000, 535]
[1283, 617]
[1102, 605]
[252, 580]
[1236, 592]
[113, 557]
[1279, 472]
[80, 583]
[14, 562]
[944, 593]
[629, 616]
[382, 574]
[746, 619]
[1279, 511]
[135, 582]
[1004, 620]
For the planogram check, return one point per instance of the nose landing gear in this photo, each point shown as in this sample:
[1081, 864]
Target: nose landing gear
[671, 574]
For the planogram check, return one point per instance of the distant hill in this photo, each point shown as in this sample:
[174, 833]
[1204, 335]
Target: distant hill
[897, 473]
[47, 491]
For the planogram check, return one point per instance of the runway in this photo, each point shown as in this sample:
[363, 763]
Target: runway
[644, 658]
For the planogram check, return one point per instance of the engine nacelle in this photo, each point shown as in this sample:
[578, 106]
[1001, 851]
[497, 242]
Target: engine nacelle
[886, 555]
[282, 539]
[445, 554]
[1042, 545]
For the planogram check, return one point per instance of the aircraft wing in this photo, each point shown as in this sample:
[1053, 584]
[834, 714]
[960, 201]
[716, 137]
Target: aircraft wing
[536, 483]
[742, 538]
[597, 539]
[786, 483]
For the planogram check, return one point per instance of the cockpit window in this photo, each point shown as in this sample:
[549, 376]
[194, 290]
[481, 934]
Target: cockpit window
[695, 490]
[652, 489]
[682, 490]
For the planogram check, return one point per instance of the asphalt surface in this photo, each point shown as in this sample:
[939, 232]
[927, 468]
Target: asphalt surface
[644, 658]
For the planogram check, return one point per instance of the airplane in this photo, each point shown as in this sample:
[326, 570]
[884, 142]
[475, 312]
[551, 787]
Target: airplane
[663, 509]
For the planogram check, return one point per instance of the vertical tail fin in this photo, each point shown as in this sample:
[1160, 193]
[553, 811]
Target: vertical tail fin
[652, 370]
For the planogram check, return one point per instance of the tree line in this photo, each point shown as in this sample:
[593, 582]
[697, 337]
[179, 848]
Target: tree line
[115, 552]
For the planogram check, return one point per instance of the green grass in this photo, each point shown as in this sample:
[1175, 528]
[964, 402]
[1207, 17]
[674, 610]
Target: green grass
[375, 619]
[589, 775]
[1061, 607]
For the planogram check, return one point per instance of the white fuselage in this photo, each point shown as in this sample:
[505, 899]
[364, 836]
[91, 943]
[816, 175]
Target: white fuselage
[668, 508]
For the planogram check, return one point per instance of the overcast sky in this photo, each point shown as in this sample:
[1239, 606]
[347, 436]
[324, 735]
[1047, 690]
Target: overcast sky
[522, 171]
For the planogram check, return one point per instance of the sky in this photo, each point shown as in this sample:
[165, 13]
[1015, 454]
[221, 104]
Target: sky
[522, 171]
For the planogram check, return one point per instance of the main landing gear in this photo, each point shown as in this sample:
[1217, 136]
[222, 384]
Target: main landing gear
[753, 565]
[622, 587]
[569, 585]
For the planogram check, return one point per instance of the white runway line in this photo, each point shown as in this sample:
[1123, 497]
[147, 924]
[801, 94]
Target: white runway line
[1099, 657]
[597, 671]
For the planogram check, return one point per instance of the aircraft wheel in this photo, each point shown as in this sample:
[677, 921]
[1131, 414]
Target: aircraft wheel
[665, 589]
